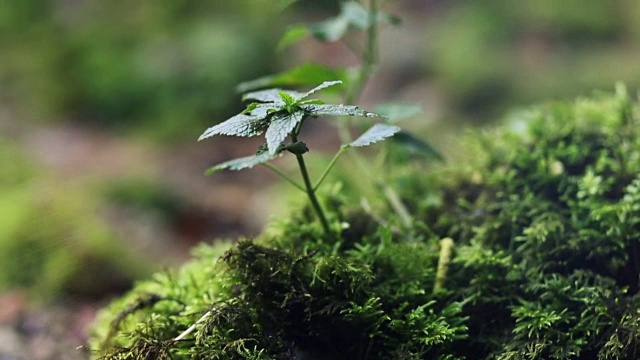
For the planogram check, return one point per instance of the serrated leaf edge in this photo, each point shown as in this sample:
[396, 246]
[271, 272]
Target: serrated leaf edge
[234, 126]
[324, 85]
[376, 133]
[246, 162]
[337, 110]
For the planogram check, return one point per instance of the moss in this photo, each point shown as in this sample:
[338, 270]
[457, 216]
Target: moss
[544, 220]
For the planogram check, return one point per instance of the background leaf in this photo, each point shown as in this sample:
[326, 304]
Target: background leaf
[376, 133]
[356, 14]
[352, 13]
[330, 30]
[304, 75]
[284, 4]
[292, 36]
[416, 147]
[266, 96]
[398, 111]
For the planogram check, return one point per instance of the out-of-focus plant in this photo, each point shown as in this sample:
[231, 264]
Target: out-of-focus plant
[50, 246]
[486, 57]
[144, 66]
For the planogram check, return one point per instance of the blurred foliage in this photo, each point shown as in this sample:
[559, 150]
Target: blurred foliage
[162, 68]
[544, 222]
[50, 244]
[486, 56]
[157, 66]
[145, 196]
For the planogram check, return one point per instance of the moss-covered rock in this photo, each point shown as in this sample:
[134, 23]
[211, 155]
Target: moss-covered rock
[545, 220]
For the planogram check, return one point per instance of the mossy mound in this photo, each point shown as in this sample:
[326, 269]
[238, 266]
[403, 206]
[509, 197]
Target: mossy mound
[545, 220]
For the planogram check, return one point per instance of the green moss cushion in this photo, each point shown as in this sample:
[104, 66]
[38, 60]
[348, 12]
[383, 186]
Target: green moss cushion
[544, 214]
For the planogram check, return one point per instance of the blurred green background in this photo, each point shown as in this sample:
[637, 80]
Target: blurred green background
[101, 102]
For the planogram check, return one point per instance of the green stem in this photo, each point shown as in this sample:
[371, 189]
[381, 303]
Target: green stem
[311, 193]
[283, 175]
[329, 167]
[369, 55]
[368, 58]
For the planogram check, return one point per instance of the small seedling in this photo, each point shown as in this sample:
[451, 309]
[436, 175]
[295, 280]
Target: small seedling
[283, 113]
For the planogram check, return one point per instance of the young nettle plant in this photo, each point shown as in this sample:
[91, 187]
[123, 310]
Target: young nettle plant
[283, 113]
[356, 26]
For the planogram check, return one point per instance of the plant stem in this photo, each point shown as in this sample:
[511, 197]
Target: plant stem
[283, 175]
[311, 192]
[369, 55]
[329, 167]
[312, 195]
[368, 59]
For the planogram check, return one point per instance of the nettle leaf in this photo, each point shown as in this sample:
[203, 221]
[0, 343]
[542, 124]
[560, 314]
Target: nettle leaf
[244, 162]
[398, 111]
[266, 96]
[275, 96]
[283, 4]
[288, 99]
[336, 110]
[303, 75]
[322, 86]
[281, 125]
[352, 13]
[310, 102]
[376, 133]
[240, 125]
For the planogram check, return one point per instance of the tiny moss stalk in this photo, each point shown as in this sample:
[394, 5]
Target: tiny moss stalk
[446, 247]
